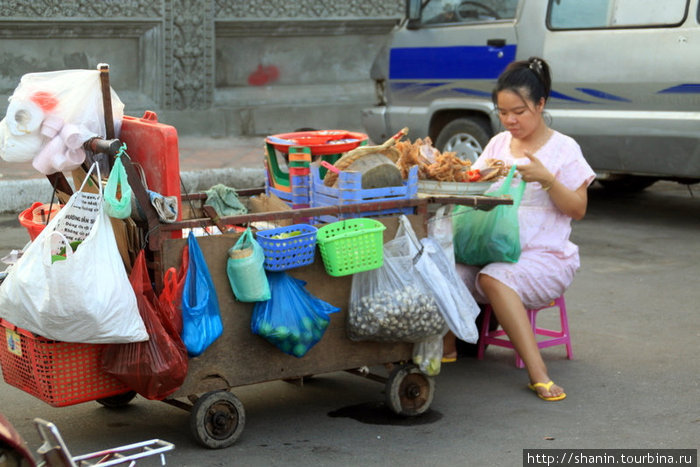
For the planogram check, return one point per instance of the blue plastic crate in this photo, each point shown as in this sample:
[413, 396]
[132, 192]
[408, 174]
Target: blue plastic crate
[349, 191]
[291, 252]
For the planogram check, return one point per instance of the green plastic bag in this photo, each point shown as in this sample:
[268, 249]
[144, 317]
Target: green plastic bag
[245, 270]
[483, 237]
[118, 208]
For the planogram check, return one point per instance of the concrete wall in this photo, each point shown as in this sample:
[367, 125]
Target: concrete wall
[209, 67]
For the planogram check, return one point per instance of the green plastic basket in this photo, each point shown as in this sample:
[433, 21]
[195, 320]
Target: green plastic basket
[351, 245]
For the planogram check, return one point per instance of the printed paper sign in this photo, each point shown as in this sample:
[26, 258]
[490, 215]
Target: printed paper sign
[78, 222]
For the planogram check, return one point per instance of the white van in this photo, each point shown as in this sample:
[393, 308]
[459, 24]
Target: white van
[626, 79]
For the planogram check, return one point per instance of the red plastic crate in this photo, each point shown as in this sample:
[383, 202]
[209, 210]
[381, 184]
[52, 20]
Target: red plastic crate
[59, 373]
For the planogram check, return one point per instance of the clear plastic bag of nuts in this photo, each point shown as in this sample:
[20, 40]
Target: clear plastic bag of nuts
[392, 303]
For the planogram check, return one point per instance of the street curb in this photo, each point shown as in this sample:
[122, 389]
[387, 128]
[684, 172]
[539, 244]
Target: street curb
[18, 195]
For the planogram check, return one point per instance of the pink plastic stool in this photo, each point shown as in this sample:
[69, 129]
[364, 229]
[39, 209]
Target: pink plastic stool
[561, 337]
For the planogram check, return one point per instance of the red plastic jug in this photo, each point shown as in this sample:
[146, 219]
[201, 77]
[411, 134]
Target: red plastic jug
[153, 145]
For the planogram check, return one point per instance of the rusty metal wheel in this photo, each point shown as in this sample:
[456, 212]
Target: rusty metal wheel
[409, 391]
[217, 419]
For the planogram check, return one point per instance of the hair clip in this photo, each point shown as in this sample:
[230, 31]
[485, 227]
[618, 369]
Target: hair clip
[536, 65]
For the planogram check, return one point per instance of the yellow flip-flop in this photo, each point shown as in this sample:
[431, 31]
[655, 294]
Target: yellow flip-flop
[546, 386]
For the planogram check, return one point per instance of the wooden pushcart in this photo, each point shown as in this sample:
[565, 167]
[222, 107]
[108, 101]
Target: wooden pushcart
[239, 357]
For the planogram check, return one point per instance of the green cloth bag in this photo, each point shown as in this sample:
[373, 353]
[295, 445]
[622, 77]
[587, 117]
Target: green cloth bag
[483, 237]
[245, 270]
[117, 208]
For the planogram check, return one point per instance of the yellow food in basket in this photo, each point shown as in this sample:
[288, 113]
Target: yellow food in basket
[284, 235]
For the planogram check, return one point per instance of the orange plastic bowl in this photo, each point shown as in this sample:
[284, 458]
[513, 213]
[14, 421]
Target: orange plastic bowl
[35, 217]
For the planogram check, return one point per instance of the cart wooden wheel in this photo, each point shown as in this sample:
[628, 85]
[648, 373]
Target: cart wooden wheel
[409, 391]
[118, 401]
[217, 419]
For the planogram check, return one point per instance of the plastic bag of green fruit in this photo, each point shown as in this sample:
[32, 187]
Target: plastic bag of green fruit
[292, 320]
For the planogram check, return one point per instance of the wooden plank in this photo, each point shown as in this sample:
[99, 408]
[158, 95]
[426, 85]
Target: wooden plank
[239, 357]
[107, 101]
[59, 183]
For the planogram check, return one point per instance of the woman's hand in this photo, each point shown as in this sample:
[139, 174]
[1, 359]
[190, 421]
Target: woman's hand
[535, 171]
[571, 203]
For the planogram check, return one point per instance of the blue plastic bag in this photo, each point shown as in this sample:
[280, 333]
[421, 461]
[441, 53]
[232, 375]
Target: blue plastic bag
[201, 319]
[292, 320]
[245, 271]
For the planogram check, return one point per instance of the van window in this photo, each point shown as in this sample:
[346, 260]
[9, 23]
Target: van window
[454, 12]
[590, 14]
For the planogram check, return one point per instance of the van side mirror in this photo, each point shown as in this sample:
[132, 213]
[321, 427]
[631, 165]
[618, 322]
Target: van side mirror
[413, 11]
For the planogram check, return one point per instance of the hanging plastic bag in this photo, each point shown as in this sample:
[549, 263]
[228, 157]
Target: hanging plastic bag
[51, 114]
[483, 237]
[155, 368]
[427, 354]
[458, 306]
[245, 270]
[18, 148]
[292, 320]
[84, 297]
[201, 319]
[117, 183]
[171, 295]
[454, 300]
[440, 230]
[392, 303]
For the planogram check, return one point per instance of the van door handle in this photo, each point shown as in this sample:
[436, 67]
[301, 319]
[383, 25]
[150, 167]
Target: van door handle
[498, 43]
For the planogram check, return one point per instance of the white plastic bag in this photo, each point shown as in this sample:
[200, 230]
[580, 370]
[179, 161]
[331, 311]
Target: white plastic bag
[454, 300]
[15, 148]
[85, 297]
[440, 277]
[427, 354]
[50, 116]
[440, 230]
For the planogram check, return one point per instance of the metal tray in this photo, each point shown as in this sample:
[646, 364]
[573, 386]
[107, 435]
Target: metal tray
[433, 187]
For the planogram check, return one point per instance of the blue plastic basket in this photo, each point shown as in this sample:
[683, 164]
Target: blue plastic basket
[291, 252]
[349, 191]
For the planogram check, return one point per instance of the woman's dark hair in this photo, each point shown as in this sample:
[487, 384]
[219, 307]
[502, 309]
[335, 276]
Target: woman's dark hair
[531, 74]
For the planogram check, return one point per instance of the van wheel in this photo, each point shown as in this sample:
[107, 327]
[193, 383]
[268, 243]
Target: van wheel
[465, 136]
[627, 183]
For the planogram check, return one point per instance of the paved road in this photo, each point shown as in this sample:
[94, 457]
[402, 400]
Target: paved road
[633, 311]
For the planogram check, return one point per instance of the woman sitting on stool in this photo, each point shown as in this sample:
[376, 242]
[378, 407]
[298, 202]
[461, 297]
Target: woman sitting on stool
[558, 177]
